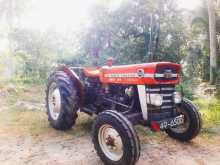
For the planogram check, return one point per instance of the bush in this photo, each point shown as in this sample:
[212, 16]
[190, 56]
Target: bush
[186, 89]
[210, 110]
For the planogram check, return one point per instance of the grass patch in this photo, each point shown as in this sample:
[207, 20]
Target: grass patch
[16, 118]
[24, 92]
[33, 93]
[35, 123]
[21, 121]
[83, 125]
[18, 80]
[210, 111]
[24, 122]
[145, 131]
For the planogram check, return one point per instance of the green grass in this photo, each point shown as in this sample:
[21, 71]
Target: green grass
[34, 122]
[210, 111]
[24, 122]
[24, 92]
[18, 119]
[17, 80]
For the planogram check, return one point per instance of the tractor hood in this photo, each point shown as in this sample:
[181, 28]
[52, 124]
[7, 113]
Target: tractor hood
[146, 73]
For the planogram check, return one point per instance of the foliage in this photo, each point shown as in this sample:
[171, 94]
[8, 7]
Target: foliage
[124, 33]
[12, 10]
[10, 65]
[210, 110]
[138, 31]
[35, 50]
[198, 58]
[186, 89]
[200, 33]
[35, 53]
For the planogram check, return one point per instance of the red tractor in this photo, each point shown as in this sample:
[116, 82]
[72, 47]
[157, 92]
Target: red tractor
[121, 97]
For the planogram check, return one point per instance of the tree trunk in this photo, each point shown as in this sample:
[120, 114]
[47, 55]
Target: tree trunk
[212, 34]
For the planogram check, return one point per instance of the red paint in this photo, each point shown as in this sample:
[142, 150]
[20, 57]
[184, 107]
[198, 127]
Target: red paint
[149, 68]
[155, 126]
[109, 62]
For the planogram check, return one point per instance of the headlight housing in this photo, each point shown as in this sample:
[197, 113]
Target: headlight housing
[155, 99]
[177, 97]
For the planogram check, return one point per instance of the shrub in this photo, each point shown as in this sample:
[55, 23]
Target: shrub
[210, 110]
[186, 89]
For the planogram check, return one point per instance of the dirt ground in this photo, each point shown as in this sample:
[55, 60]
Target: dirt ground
[57, 149]
[20, 143]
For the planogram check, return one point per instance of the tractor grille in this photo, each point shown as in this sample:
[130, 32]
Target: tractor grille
[167, 92]
[166, 69]
[166, 110]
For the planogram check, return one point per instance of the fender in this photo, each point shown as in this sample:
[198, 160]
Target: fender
[75, 78]
[143, 101]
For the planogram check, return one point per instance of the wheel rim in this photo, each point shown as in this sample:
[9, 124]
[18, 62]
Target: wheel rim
[110, 142]
[185, 126]
[54, 100]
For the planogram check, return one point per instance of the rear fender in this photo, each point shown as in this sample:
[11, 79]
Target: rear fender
[75, 78]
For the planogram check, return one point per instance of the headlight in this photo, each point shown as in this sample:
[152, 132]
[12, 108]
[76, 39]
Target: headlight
[155, 99]
[177, 97]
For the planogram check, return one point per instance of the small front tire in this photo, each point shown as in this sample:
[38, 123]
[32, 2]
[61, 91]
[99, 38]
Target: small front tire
[115, 139]
[192, 122]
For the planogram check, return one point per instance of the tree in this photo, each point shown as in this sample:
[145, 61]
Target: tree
[212, 34]
[125, 33]
[11, 10]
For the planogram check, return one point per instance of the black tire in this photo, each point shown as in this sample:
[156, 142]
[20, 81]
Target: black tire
[69, 101]
[195, 122]
[129, 138]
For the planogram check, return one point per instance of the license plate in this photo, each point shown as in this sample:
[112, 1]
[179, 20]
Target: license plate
[172, 122]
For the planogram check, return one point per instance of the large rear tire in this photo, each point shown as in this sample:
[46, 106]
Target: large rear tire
[192, 122]
[115, 139]
[61, 101]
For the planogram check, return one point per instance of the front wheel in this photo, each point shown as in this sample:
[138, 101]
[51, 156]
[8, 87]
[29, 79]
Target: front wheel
[192, 122]
[115, 139]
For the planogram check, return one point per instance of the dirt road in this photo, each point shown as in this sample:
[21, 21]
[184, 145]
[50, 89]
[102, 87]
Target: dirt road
[67, 149]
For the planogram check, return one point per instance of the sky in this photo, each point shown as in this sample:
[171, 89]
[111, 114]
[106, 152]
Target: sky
[65, 15]
[189, 4]
[72, 14]
[61, 15]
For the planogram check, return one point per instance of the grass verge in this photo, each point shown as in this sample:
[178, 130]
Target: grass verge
[210, 110]
[34, 122]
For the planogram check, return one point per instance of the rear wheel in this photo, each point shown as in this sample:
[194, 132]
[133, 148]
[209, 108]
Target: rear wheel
[192, 122]
[115, 139]
[61, 101]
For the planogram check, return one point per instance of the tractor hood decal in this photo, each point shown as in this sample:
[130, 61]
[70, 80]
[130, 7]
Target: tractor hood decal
[127, 75]
[136, 75]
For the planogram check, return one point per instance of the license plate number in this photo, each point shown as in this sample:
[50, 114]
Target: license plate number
[172, 122]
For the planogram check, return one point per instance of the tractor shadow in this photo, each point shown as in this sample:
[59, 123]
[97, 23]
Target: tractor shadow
[83, 126]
